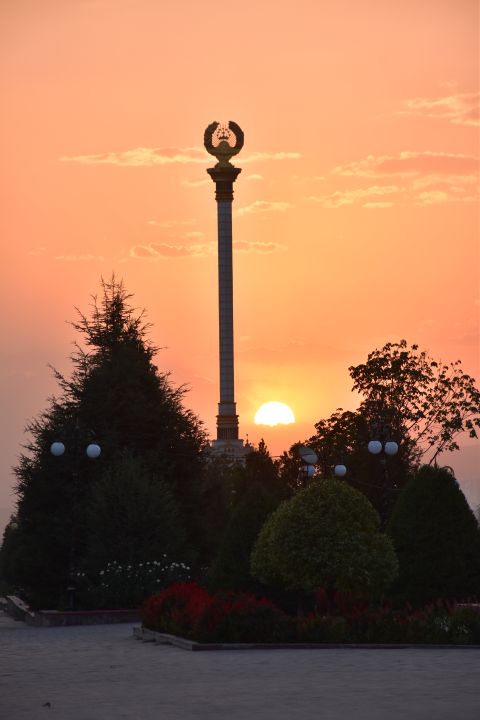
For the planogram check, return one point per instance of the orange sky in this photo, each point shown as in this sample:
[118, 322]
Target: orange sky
[356, 213]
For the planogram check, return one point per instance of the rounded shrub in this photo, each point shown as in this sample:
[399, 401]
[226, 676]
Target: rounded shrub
[326, 536]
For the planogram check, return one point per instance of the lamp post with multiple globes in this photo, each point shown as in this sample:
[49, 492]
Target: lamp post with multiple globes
[310, 459]
[92, 451]
[384, 447]
[381, 445]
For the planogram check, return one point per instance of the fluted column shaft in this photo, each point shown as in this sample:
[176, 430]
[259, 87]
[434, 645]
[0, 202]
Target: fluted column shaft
[227, 418]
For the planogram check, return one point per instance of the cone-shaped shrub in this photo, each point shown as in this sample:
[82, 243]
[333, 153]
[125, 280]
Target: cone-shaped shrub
[436, 538]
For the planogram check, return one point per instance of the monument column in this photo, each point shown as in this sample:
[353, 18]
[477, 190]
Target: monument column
[218, 139]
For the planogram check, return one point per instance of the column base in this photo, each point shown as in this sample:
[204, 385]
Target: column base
[233, 450]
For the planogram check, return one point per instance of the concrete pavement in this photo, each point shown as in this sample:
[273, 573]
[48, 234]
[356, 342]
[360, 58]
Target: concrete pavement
[102, 673]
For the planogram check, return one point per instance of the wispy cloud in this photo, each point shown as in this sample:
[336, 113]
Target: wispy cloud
[162, 250]
[410, 164]
[259, 156]
[459, 109]
[170, 223]
[374, 205]
[196, 183]
[80, 258]
[354, 197]
[431, 197]
[263, 206]
[427, 178]
[156, 251]
[147, 157]
[438, 179]
[142, 157]
[207, 181]
[37, 251]
[257, 247]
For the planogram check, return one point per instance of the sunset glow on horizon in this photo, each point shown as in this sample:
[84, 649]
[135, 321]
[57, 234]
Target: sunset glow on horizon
[355, 216]
[274, 413]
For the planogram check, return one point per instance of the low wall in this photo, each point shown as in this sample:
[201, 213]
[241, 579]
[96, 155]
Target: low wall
[19, 610]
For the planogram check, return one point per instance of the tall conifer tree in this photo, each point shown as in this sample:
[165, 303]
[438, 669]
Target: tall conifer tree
[117, 397]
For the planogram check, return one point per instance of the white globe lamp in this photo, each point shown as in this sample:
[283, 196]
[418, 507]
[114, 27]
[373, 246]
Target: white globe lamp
[57, 449]
[391, 448]
[374, 447]
[93, 451]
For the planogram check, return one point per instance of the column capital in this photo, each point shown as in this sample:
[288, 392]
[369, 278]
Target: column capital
[224, 177]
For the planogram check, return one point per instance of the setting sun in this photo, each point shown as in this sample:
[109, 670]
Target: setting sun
[274, 413]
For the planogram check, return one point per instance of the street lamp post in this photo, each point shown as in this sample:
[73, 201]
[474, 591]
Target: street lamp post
[310, 459]
[385, 447]
[92, 451]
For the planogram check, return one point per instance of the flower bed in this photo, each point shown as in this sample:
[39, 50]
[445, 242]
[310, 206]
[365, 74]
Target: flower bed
[188, 610]
[126, 585]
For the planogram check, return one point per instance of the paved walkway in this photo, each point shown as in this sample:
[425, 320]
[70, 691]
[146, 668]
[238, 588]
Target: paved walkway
[103, 673]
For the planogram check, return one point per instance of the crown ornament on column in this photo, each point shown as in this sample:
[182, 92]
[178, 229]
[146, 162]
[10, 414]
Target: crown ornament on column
[223, 141]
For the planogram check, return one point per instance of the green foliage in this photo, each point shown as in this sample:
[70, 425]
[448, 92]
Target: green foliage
[117, 392]
[223, 488]
[326, 536]
[436, 538]
[343, 439]
[408, 397]
[9, 557]
[231, 569]
[259, 470]
[127, 585]
[214, 505]
[132, 517]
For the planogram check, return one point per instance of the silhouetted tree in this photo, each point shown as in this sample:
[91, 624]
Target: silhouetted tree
[231, 569]
[132, 517]
[343, 439]
[116, 391]
[432, 402]
[223, 487]
[259, 469]
[436, 538]
[214, 505]
[421, 404]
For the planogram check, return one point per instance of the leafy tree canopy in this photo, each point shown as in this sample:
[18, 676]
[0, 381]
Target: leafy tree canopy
[408, 397]
[434, 401]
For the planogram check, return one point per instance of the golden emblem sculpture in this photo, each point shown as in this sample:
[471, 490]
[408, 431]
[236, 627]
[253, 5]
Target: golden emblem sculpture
[218, 138]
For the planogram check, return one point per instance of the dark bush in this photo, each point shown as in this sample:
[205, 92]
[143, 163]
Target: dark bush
[436, 538]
